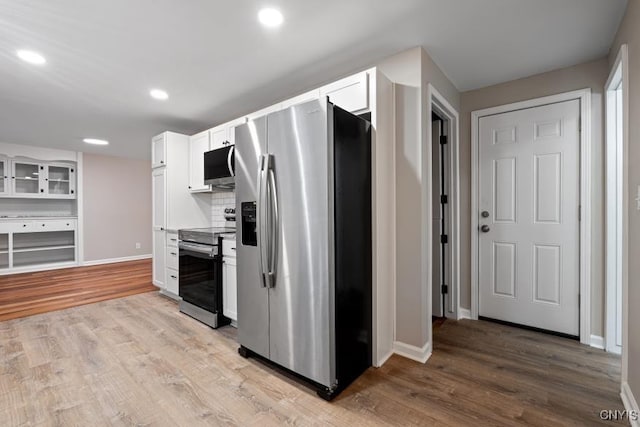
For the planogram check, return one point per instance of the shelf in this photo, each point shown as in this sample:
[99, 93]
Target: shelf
[58, 180]
[3, 252]
[42, 248]
[27, 178]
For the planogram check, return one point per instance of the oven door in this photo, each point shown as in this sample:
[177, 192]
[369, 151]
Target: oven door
[200, 273]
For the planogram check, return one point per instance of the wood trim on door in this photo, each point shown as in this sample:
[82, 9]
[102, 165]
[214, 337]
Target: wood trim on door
[584, 96]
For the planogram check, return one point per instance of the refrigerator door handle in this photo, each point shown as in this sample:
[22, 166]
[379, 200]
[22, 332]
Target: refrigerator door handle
[274, 224]
[262, 227]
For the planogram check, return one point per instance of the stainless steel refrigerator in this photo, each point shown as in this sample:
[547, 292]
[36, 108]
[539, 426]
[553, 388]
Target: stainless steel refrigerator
[303, 197]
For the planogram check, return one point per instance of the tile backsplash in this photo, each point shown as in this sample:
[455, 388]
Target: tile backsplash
[220, 201]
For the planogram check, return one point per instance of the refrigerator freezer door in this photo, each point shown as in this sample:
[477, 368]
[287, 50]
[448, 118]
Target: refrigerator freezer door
[253, 296]
[301, 307]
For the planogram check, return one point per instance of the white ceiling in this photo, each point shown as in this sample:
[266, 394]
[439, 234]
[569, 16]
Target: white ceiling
[218, 63]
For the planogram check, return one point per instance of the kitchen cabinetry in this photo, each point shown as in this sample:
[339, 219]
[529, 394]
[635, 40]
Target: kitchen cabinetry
[350, 93]
[159, 150]
[173, 205]
[35, 179]
[198, 145]
[171, 258]
[229, 281]
[307, 96]
[4, 176]
[60, 180]
[25, 244]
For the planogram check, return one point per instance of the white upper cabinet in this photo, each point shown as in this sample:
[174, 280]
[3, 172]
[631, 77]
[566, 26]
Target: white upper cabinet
[351, 93]
[28, 179]
[198, 145]
[158, 188]
[307, 96]
[159, 151]
[264, 111]
[4, 176]
[231, 133]
[219, 136]
[61, 180]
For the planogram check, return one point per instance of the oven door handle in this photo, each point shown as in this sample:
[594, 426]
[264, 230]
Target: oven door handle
[201, 249]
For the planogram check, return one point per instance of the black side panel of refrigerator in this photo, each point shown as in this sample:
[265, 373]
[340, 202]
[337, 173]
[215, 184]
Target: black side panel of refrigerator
[353, 245]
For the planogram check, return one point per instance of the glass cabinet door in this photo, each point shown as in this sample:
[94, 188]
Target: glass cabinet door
[26, 178]
[60, 180]
[4, 177]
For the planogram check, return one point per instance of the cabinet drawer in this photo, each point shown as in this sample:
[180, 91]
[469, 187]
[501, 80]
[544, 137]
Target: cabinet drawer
[229, 247]
[172, 281]
[172, 239]
[172, 258]
[57, 225]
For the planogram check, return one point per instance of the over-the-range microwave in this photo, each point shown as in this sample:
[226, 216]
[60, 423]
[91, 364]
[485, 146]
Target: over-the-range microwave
[219, 166]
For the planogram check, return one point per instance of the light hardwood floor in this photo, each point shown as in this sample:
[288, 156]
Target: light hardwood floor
[138, 361]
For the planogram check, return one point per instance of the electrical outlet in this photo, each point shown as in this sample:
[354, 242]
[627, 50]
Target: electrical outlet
[137, 245]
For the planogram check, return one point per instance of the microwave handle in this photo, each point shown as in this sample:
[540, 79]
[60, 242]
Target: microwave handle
[230, 161]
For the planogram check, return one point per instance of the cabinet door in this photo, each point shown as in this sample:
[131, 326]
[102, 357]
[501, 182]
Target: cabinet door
[159, 258]
[171, 284]
[198, 145]
[229, 289]
[159, 151]
[264, 112]
[308, 96]
[159, 194]
[231, 129]
[4, 250]
[218, 137]
[4, 176]
[27, 179]
[351, 93]
[60, 181]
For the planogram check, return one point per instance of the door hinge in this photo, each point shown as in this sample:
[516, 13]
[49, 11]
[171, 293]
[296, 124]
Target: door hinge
[444, 199]
[444, 239]
[443, 139]
[445, 289]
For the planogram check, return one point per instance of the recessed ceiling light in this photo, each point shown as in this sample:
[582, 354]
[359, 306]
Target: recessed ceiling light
[159, 94]
[95, 141]
[31, 57]
[270, 17]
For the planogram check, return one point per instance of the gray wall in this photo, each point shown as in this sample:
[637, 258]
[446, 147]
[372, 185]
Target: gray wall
[412, 71]
[590, 75]
[629, 33]
[117, 207]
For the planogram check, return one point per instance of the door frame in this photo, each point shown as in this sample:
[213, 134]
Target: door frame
[584, 96]
[619, 74]
[436, 102]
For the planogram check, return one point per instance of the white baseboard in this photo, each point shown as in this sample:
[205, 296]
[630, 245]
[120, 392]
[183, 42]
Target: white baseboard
[597, 342]
[464, 313]
[37, 268]
[630, 404]
[384, 359]
[115, 260]
[412, 352]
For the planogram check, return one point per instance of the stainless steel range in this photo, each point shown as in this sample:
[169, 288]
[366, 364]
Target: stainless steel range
[200, 274]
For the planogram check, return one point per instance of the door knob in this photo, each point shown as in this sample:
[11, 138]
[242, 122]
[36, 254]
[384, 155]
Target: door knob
[485, 214]
[485, 228]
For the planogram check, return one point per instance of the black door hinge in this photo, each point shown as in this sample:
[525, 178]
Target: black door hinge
[444, 239]
[443, 139]
[445, 289]
[444, 199]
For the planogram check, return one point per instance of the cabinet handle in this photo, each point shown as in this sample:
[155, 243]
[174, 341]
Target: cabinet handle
[173, 277]
[162, 162]
[71, 170]
[173, 253]
[42, 190]
[189, 187]
[72, 191]
[24, 225]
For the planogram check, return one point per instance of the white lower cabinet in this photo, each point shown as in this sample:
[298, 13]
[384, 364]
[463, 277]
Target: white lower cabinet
[229, 282]
[29, 244]
[171, 289]
[159, 258]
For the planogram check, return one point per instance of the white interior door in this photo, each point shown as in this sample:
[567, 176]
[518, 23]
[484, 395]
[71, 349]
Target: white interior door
[529, 194]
